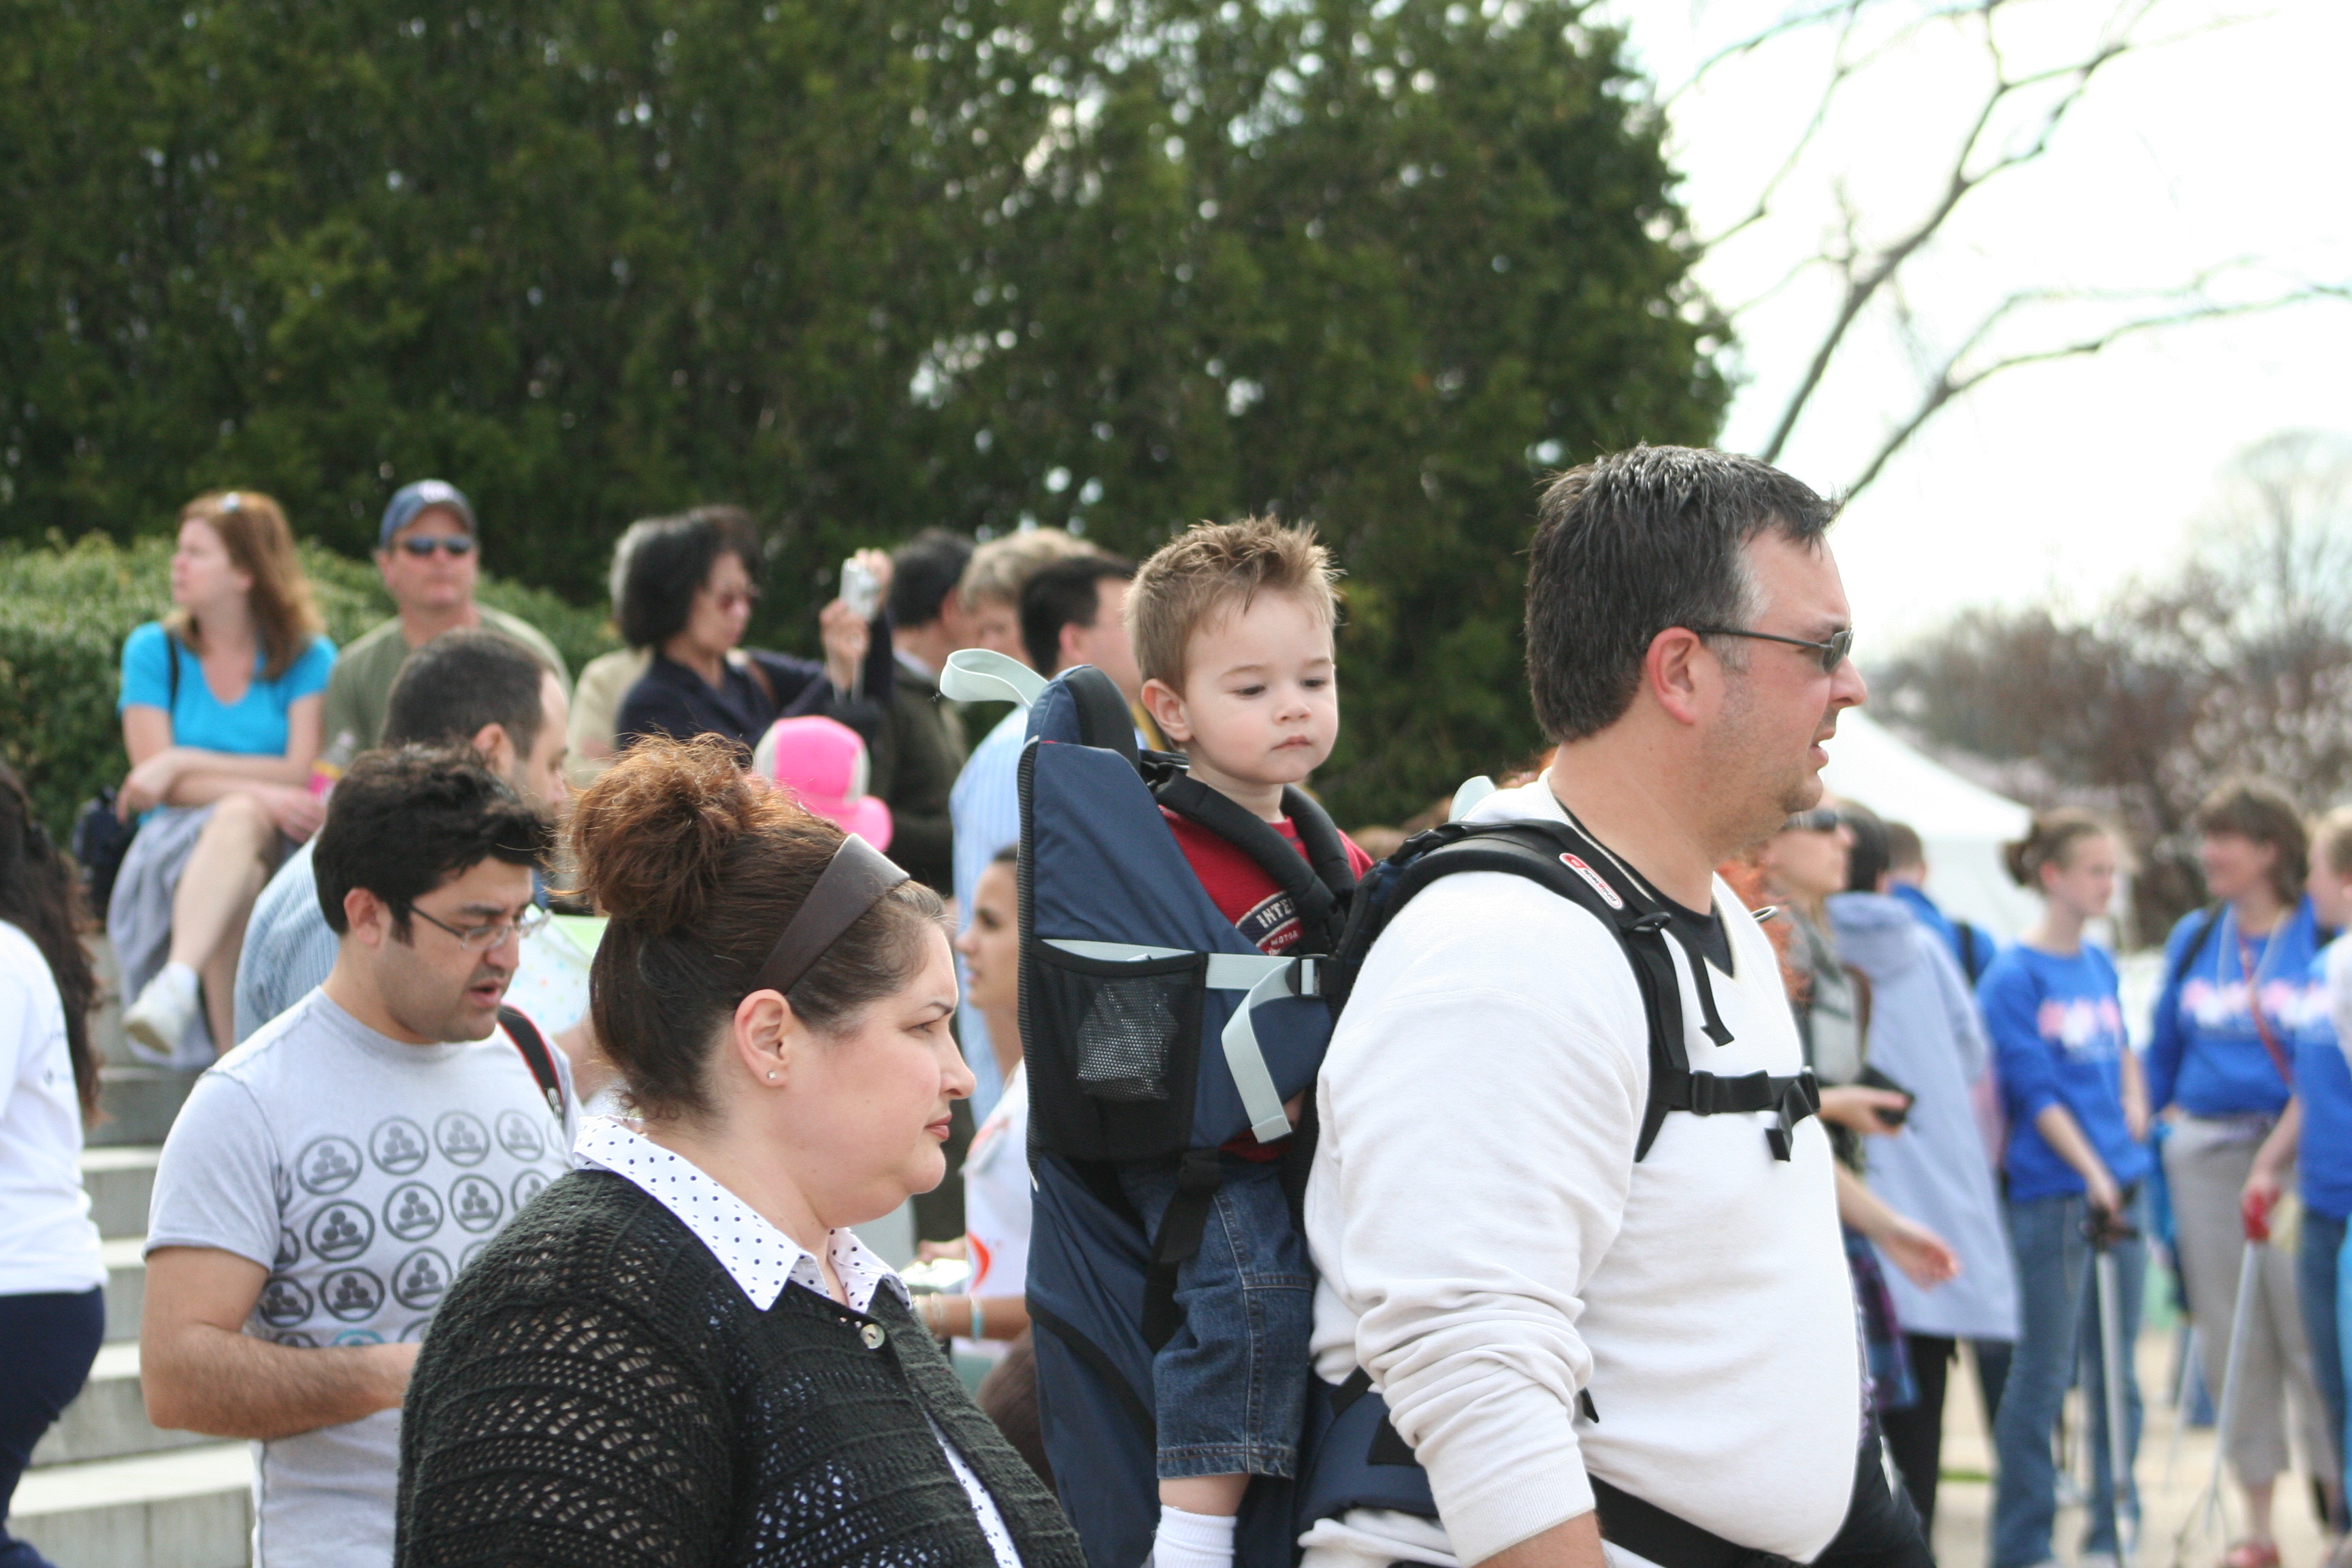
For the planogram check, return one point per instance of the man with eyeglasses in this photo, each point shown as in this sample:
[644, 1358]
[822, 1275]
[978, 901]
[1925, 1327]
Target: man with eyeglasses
[464, 687]
[427, 547]
[328, 1177]
[1594, 1347]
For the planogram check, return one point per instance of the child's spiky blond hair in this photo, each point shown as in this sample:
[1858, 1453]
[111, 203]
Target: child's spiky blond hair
[1214, 567]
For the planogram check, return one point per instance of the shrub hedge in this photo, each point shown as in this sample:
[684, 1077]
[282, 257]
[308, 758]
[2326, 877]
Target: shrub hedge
[64, 610]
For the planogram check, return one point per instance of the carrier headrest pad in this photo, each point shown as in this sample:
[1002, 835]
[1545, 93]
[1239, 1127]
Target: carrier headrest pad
[1084, 707]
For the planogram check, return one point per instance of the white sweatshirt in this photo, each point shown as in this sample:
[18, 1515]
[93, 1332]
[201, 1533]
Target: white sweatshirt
[1488, 1247]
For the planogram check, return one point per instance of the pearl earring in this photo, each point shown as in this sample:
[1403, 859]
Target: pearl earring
[771, 1078]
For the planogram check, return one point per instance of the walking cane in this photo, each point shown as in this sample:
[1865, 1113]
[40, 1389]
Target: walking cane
[2107, 1231]
[2209, 1508]
[2186, 1385]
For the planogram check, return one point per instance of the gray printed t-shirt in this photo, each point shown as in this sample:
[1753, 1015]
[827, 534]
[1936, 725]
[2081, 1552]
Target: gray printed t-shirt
[363, 1173]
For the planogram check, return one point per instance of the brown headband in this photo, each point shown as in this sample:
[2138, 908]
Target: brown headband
[853, 883]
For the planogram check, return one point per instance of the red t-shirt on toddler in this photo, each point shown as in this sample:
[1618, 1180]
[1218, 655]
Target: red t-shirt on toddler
[1259, 910]
[1239, 886]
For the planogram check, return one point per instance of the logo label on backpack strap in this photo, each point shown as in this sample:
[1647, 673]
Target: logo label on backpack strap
[1608, 894]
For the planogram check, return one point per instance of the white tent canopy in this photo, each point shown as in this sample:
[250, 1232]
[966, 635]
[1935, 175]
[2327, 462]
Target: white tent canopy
[1963, 824]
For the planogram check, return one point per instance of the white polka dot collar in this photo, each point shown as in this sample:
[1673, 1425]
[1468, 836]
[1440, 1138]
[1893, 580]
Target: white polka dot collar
[758, 1257]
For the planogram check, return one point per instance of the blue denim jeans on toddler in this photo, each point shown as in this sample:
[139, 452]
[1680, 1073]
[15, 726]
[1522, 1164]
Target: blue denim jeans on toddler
[1229, 1390]
[2060, 1333]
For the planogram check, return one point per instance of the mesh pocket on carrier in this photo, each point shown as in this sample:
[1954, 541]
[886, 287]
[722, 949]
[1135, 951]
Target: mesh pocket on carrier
[1115, 1052]
[1128, 1034]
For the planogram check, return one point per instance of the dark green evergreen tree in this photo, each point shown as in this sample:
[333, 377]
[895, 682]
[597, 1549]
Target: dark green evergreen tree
[1118, 264]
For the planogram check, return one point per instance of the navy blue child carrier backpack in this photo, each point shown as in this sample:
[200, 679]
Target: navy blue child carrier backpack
[1153, 1030]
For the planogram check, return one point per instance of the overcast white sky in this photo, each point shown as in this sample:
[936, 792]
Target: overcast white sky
[2231, 145]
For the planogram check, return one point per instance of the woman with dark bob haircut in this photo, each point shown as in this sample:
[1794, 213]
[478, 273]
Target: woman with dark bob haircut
[680, 1354]
[685, 594]
[2238, 980]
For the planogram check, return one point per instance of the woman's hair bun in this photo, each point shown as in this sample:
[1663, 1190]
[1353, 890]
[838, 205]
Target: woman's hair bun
[652, 836]
[2050, 841]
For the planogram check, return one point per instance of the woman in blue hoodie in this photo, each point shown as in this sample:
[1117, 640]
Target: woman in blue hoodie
[2221, 1070]
[2078, 1119]
[1925, 1034]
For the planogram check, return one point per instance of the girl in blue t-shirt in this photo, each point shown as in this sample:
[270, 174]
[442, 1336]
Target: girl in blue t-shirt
[2220, 1070]
[2076, 1151]
[221, 710]
[2314, 1136]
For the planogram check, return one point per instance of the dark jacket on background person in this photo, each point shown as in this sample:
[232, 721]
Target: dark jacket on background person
[671, 699]
[916, 758]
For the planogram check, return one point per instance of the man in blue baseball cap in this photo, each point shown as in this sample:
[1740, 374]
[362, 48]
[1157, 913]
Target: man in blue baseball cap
[429, 553]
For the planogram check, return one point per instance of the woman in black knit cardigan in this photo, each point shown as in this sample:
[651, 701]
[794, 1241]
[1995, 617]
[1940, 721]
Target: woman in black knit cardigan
[678, 1354]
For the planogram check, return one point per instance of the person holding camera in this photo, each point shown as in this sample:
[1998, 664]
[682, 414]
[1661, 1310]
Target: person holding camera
[687, 591]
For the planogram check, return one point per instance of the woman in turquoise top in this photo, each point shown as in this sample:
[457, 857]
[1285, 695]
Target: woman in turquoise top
[221, 706]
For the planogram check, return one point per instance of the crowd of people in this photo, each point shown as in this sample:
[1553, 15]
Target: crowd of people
[1520, 1205]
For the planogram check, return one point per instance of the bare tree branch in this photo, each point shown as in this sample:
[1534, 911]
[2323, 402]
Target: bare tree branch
[1951, 382]
[1965, 175]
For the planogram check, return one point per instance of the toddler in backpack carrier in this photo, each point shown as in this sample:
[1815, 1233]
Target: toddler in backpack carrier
[1233, 631]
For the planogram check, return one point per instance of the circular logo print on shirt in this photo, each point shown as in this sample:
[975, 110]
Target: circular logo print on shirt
[340, 1232]
[518, 1137]
[358, 1337]
[283, 1303]
[421, 1279]
[289, 1251]
[461, 1137]
[414, 1333]
[351, 1294]
[466, 1260]
[296, 1341]
[398, 1146]
[413, 1212]
[328, 1165]
[476, 1203]
[526, 1186]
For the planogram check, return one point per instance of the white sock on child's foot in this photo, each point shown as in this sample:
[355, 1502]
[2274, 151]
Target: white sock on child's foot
[1192, 1539]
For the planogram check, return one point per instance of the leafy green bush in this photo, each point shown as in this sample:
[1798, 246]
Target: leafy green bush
[64, 612]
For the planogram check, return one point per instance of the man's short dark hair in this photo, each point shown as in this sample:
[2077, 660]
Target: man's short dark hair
[664, 560]
[460, 681]
[1064, 594]
[402, 823]
[923, 571]
[1636, 543]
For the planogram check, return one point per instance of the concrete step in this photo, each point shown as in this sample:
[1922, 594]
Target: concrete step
[189, 1509]
[138, 1104]
[121, 1179]
[126, 1286]
[109, 1419]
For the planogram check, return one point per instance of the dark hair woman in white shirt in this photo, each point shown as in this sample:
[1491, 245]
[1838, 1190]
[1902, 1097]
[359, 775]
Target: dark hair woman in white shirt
[52, 1297]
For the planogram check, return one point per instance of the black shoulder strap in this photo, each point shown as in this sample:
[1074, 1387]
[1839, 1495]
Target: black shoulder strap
[533, 1046]
[172, 663]
[1195, 802]
[1560, 859]
[1327, 849]
[2206, 921]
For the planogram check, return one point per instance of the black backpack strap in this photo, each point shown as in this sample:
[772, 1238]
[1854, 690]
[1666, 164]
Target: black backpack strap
[533, 1046]
[1188, 797]
[2206, 920]
[1326, 849]
[1198, 1177]
[1566, 861]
